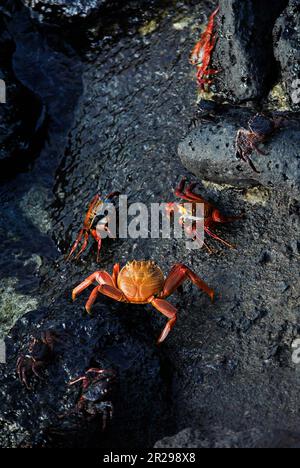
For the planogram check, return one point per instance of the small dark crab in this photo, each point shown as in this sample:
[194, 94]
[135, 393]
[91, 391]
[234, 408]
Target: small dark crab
[40, 354]
[260, 129]
[97, 388]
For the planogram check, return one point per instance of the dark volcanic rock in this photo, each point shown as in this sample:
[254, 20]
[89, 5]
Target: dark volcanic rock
[51, 69]
[73, 11]
[220, 438]
[209, 152]
[214, 438]
[43, 415]
[244, 52]
[23, 116]
[287, 50]
[227, 364]
[65, 8]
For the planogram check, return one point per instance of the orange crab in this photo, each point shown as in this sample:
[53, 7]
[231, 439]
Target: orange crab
[88, 226]
[142, 283]
[202, 53]
[212, 216]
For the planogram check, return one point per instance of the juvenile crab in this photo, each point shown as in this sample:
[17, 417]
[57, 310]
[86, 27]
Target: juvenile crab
[202, 53]
[212, 216]
[97, 388]
[88, 226]
[260, 129]
[41, 352]
[142, 283]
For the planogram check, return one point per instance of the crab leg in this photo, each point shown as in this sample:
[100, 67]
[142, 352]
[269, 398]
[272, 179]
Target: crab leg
[214, 236]
[113, 195]
[259, 151]
[75, 245]
[178, 275]
[217, 217]
[98, 239]
[169, 311]
[36, 372]
[102, 277]
[75, 381]
[187, 193]
[211, 72]
[112, 292]
[116, 273]
[24, 380]
[94, 370]
[84, 245]
[92, 299]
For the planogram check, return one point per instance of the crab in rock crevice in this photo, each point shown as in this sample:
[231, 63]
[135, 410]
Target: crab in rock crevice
[96, 393]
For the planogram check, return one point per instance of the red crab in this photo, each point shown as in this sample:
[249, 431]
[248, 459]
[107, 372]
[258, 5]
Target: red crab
[142, 283]
[212, 216]
[88, 226]
[97, 387]
[260, 129]
[41, 351]
[202, 53]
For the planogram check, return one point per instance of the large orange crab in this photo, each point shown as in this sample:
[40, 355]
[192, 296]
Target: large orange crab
[212, 216]
[202, 53]
[88, 226]
[142, 283]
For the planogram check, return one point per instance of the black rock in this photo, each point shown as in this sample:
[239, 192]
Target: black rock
[223, 438]
[287, 50]
[44, 415]
[65, 8]
[209, 152]
[23, 115]
[244, 51]
[63, 12]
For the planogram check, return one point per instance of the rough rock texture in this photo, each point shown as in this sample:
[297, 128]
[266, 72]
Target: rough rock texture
[209, 152]
[67, 8]
[63, 12]
[23, 117]
[220, 438]
[104, 342]
[226, 365]
[287, 50]
[244, 51]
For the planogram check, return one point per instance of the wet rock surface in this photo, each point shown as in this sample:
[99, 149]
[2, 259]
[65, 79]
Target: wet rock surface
[76, 12]
[244, 51]
[23, 117]
[103, 342]
[220, 438]
[287, 50]
[227, 365]
[65, 8]
[209, 151]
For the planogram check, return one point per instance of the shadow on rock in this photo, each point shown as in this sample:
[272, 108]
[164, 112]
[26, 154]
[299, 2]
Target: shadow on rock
[44, 415]
[244, 52]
